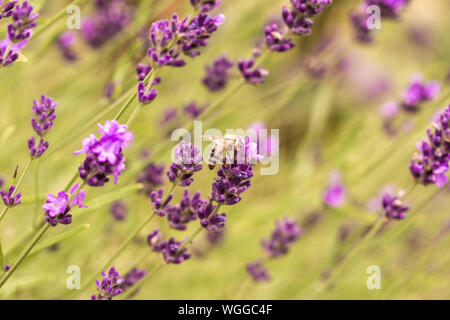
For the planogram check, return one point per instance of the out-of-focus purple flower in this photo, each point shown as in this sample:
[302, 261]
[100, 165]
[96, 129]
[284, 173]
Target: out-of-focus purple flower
[285, 234]
[57, 208]
[65, 43]
[143, 70]
[158, 202]
[419, 92]
[38, 150]
[132, 277]
[118, 210]
[393, 207]
[389, 111]
[216, 236]
[110, 286]
[431, 163]
[154, 240]
[218, 74]
[169, 115]
[187, 159]
[209, 218]
[276, 39]
[7, 9]
[172, 252]
[104, 155]
[181, 214]
[9, 198]
[23, 21]
[109, 19]
[205, 5]
[251, 73]
[258, 271]
[151, 177]
[44, 115]
[389, 8]
[335, 193]
[7, 267]
[192, 110]
[2, 181]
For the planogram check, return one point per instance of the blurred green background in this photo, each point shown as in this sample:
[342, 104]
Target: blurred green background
[326, 124]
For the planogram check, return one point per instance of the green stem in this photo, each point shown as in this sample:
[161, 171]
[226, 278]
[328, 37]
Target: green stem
[24, 253]
[134, 114]
[53, 20]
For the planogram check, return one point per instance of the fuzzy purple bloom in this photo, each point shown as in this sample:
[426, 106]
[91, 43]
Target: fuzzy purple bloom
[57, 208]
[218, 74]
[192, 110]
[285, 234]
[146, 94]
[151, 177]
[7, 9]
[142, 71]
[44, 115]
[9, 198]
[258, 271]
[118, 210]
[12, 55]
[158, 202]
[110, 286]
[419, 92]
[187, 159]
[431, 163]
[335, 194]
[65, 43]
[104, 155]
[110, 18]
[171, 251]
[394, 207]
[38, 150]
[23, 21]
[251, 73]
[205, 5]
[132, 277]
[210, 219]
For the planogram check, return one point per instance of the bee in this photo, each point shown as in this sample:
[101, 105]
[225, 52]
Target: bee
[224, 148]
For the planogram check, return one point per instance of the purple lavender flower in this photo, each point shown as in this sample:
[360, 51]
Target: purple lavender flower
[419, 92]
[65, 43]
[285, 234]
[187, 159]
[154, 240]
[276, 39]
[143, 70]
[218, 74]
[158, 202]
[118, 210]
[7, 9]
[151, 177]
[172, 253]
[110, 18]
[44, 115]
[258, 272]
[334, 195]
[38, 150]
[9, 198]
[216, 236]
[57, 208]
[181, 214]
[205, 5]
[169, 115]
[132, 277]
[104, 155]
[192, 110]
[23, 21]
[394, 207]
[13, 53]
[431, 163]
[146, 94]
[110, 286]
[209, 218]
[251, 73]
[231, 181]
[7, 267]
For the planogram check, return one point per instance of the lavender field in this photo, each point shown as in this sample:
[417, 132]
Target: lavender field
[224, 149]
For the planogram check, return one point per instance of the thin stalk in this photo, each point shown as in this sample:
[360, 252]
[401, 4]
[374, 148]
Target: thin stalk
[134, 114]
[8, 49]
[24, 253]
[53, 20]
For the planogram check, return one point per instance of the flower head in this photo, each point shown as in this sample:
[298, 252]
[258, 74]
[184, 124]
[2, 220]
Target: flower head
[258, 271]
[110, 286]
[276, 39]
[335, 193]
[118, 210]
[132, 277]
[159, 203]
[218, 74]
[44, 115]
[181, 214]
[251, 73]
[173, 252]
[23, 21]
[187, 159]
[394, 207]
[8, 8]
[209, 218]
[419, 92]
[9, 198]
[151, 177]
[154, 240]
[285, 234]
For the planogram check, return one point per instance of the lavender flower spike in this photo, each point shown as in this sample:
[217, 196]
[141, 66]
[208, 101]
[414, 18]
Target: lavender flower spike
[218, 75]
[154, 240]
[8, 8]
[285, 234]
[151, 177]
[146, 94]
[276, 39]
[118, 210]
[24, 20]
[187, 159]
[159, 203]
[44, 115]
[38, 150]
[258, 272]
[171, 251]
[252, 74]
[394, 207]
[9, 198]
[110, 286]
[132, 277]
[186, 211]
